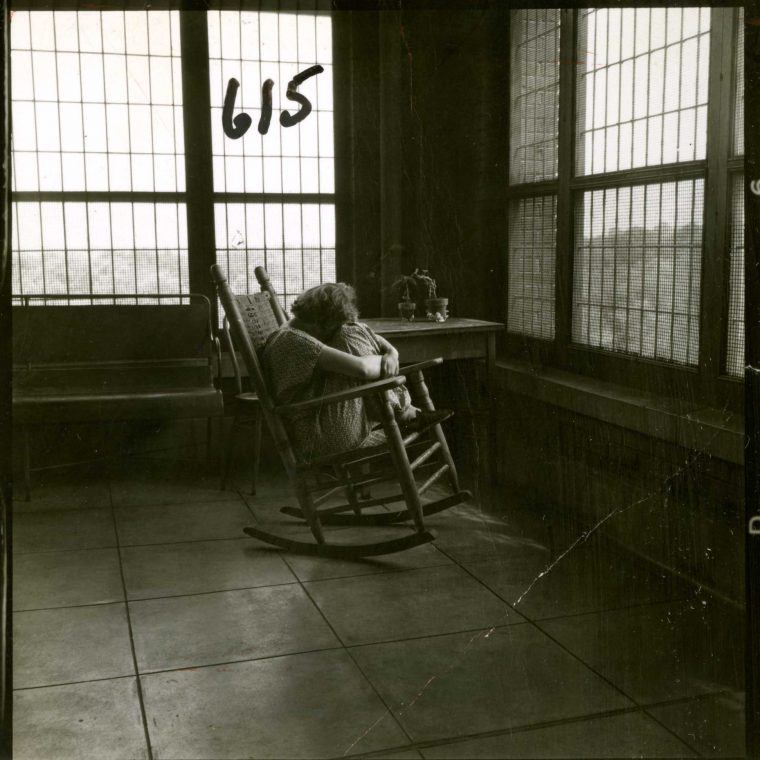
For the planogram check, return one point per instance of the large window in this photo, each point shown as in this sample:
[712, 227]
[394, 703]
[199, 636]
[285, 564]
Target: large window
[97, 133]
[533, 158]
[610, 247]
[278, 188]
[100, 195]
[735, 337]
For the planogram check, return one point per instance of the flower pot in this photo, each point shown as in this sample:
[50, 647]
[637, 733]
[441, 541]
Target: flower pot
[406, 310]
[437, 309]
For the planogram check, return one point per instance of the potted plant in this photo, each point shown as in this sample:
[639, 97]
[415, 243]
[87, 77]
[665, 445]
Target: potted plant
[406, 305]
[436, 307]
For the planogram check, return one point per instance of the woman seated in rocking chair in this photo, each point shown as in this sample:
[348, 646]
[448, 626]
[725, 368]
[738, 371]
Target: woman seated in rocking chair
[321, 350]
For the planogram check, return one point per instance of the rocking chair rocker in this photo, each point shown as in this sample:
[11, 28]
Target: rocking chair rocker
[252, 319]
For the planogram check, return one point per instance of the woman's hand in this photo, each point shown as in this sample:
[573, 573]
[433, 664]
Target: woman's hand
[389, 363]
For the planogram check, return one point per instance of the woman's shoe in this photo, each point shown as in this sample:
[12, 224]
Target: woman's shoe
[426, 419]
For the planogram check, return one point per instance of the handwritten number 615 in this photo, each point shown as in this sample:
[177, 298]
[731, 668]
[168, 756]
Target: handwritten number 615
[237, 127]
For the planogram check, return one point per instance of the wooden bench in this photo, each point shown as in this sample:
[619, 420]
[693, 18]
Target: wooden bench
[102, 363]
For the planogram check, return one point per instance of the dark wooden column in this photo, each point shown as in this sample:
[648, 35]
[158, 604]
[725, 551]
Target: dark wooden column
[752, 379]
[199, 176]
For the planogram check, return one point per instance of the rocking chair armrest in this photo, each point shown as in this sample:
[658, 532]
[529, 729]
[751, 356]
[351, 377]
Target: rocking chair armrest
[419, 366]
[365, 389]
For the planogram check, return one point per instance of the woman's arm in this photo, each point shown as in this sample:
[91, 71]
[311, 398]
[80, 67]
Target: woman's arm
[389, 361]
[343, 363]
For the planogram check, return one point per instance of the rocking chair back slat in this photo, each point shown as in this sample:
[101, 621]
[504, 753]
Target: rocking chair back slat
[266, 287]
[240, 334]
[258, 315]
[244, 340]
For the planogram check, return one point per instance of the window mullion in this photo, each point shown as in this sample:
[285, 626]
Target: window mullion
[715, 253]
[565, 173]
[196, 108]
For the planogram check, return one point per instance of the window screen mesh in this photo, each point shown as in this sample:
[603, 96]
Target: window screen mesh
[641, 87]
[96, 101]
[532, 243]
[534, 94]
[252, 47]
[735, 343]
[739, 93]
[79, 248]
[294, 242]
[637, 266]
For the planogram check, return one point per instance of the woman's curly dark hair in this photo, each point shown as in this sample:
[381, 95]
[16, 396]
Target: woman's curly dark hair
[329, 305]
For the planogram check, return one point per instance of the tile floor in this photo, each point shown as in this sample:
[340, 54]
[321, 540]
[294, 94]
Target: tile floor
[147, 625]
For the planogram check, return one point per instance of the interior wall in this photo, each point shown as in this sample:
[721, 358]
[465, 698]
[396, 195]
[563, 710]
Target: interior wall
[680, 509]
[429, 105]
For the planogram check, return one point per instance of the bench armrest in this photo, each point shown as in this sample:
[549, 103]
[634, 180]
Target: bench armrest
[229, 346]
[419, 366]
[218, 359]
[365, 389]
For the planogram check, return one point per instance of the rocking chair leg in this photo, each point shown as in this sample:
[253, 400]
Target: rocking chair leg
[446, 454]
[365, 492]
[310, 513]
[344, 473]
[401, 461]
[422, 397]
[256, 449]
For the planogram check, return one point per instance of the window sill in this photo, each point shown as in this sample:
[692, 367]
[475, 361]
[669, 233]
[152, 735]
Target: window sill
[712, 431]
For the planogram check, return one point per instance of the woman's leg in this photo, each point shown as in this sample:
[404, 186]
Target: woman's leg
[359, 340]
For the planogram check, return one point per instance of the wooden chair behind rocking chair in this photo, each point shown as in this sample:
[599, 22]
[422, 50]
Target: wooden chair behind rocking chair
[252, 319]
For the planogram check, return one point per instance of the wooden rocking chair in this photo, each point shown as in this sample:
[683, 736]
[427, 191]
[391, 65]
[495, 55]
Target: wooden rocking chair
[252, 319]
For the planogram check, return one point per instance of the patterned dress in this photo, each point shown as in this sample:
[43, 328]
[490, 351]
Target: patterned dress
[290, 358]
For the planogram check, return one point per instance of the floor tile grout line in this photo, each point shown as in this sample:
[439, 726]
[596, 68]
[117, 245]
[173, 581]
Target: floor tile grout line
[671, 731]
[190, 541]
[641, 709]
[520, 729]
[118, 545]
[154, 598]
[422, 569]
[460, 632]
[263, 658]
[58, 684]
[356, 664]
[140, 696]
[388, 571]
[551, 638]
[239, 492]
[617, 688]
[207, 593]
[71, 606]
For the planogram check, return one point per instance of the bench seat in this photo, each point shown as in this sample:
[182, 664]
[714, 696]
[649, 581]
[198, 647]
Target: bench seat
[40, 405]
[114, 391]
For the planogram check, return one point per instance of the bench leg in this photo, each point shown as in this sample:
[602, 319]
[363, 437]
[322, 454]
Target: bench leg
[256, 449]
[228, 438]
[27, 466]
[209, 433]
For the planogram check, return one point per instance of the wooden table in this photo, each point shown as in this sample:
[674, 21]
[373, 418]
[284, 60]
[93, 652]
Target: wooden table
[456, 338]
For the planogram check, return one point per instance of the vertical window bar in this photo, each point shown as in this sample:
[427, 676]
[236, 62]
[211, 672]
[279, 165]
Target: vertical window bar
[715, 263]
[60, 158]
[84, 159]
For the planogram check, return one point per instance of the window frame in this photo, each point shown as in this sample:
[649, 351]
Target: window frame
[199, 196]
[708, 378]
